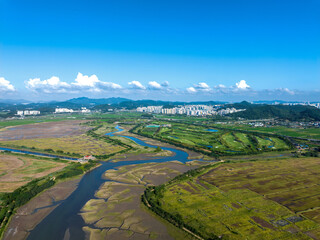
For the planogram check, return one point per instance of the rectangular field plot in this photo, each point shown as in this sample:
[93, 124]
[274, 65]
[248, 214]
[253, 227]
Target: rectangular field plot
[270, 199]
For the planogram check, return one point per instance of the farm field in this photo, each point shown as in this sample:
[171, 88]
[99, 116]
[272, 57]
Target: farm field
[310, 133]
[16, 170]
[222, 142]
[267, 199]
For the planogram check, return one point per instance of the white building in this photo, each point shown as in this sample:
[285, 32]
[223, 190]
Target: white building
[85, 110]
[28, 112]
[63, 110]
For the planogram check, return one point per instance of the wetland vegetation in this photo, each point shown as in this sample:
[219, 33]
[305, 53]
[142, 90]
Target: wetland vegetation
[257, 189]
[213, 142]
[265, 199]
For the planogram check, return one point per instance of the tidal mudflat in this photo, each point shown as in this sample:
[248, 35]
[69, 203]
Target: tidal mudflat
[29, 215]
[116, 211]
[44, 130]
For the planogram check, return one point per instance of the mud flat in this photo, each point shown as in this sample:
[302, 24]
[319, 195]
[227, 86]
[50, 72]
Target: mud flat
[116, 211]
[29, 215]
[44, 130]
[66, 221]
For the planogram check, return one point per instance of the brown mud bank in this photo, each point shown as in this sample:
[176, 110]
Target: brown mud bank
[29, 215]
[116, 211]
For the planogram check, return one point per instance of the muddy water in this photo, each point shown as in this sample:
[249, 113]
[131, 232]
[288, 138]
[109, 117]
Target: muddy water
[64, 222]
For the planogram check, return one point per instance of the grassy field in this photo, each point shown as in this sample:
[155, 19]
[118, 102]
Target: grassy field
[82, 144]
[310, 133]
[214, 140]
[16, 170]
[268, 199]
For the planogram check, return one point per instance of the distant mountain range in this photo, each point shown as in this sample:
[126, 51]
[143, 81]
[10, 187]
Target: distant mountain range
[286, 112]
[14, 101]
[259, 110]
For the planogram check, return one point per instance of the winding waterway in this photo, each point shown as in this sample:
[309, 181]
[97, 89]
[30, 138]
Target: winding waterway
[66, 218]
[37, 153]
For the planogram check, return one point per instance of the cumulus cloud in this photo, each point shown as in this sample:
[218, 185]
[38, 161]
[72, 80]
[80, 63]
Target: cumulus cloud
[191, 90]
[286, 90]
[81, 83]
[86, 81]
[50, 85]
[137, 85]
[92, 83]
[202, 86]
[220, 86]
[5, 85]
[165, 84]
[108, 85]
[154, 85]
[242, 85]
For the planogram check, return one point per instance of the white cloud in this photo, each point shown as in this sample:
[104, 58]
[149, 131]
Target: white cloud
[50, 85]
[154, 85]
[202, 85]
[286, 90]
[137, 85]
[191, 90]
[93, 84]
[242, 85]
[81, 83]
[5, 85]
[108, 85]
[86, 81]
[165, 84]
[220, 86]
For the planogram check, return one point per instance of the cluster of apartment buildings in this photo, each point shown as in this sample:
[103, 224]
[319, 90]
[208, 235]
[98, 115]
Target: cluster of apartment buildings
[317, 105]
[28, 112]
[69, 110]
[190, 110]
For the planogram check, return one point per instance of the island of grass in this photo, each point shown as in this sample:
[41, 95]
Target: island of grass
[211, 141]
[267, 199]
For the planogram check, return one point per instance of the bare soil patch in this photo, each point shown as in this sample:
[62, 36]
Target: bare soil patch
[263, 223]
[44, 130]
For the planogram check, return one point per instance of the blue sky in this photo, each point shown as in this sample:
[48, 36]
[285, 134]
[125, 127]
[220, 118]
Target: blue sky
[176, 50]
